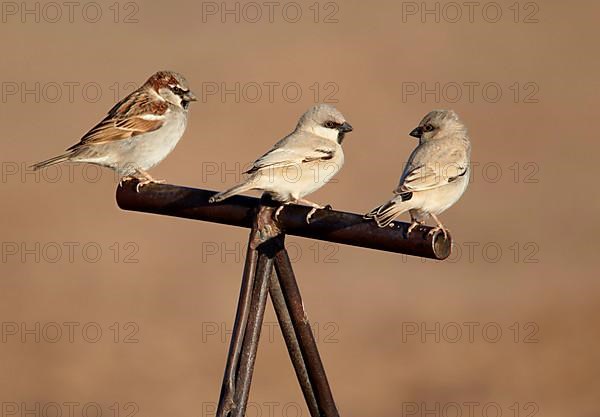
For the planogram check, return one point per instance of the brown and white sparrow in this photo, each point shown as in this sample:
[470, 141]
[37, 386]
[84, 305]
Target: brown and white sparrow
[300, 163]
[436, 175]
[138, 132]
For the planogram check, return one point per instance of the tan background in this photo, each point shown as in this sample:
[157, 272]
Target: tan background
[360, 300]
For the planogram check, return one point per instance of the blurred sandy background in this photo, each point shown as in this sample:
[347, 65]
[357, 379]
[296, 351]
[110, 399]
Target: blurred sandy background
[533, 227]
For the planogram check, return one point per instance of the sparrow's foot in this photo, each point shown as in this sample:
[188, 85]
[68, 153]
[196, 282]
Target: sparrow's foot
[145, 178]
[125, 179]
[412, 227]
[439, 227]
[144, 182]
[314, 209]
[314, 206]
[310, 214]
[278, 211]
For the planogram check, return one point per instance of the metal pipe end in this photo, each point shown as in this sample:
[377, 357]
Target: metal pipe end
[441, 245]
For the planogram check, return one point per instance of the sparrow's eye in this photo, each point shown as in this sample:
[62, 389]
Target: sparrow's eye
[428, 128]
[177, 90]
[330, 125]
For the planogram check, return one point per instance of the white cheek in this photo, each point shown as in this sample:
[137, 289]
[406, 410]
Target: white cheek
[169, 96]
[325, 133]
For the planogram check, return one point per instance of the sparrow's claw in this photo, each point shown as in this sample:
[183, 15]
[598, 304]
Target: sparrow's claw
[411, 228]
[146, 182]
[145, 178]
[437, 229]
[314, 210]
[278, 211]
[439, 226]
[125, 179]
[310, 214]
[141, 184]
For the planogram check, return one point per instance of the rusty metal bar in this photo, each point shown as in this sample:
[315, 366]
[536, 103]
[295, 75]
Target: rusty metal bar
[306, 340]
[293, 347]
[252, 335]
[329, 225]
[226, 401]
[258, 270]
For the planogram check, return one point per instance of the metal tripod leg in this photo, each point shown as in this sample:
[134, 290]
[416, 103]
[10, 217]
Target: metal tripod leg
[249, 316]
[253, 328]
[289, 335]
[228, 387]
[306, 341]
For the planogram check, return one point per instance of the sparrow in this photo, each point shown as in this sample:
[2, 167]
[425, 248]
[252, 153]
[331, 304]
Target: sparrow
[138, 132]
[300, 163]
[436, 174]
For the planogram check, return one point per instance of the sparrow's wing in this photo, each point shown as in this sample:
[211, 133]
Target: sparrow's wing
[295, 149]
[433, 168]
[136, 114]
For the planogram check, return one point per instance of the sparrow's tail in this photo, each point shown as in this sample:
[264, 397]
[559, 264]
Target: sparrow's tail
[52, 161]
[243, 187]
[387, 212]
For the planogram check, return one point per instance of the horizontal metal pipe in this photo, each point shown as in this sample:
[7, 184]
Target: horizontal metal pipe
[328, 225]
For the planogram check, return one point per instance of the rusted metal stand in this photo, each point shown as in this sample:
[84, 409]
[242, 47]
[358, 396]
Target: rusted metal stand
[266, 253]
[265, 250]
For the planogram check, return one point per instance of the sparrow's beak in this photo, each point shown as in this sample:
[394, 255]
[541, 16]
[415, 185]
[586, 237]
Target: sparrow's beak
[345, 127]
[189, 96]
[417, 132]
